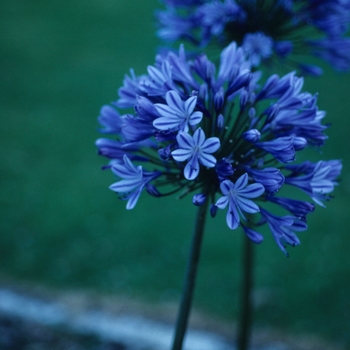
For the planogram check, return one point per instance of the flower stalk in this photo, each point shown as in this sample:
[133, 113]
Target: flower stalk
[190, 277]
[245, 321]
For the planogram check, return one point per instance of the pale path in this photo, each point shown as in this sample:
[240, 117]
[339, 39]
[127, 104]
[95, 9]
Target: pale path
[85, 316]
[136, 332]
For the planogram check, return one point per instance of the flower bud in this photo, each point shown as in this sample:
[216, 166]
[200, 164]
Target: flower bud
[199, 199]
[299, 143]
[254, 236]
[213, 210]
[252, 135]
[219, 100]
[220, 121]
[164, 153]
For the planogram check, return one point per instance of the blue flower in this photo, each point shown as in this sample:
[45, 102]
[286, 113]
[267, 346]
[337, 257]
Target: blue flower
[236, 195]
[271, 178]
[177, 114]
[218, 132]
[134, 181]
[252, 135]
[197, 150]
[281, 148]
[283, 227]
[109, 119]
[297, 207]
[316, 180]
[266, 29]
[199, 199]
[132, 87]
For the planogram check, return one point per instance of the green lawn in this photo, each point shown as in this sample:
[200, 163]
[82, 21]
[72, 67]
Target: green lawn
[62, 227]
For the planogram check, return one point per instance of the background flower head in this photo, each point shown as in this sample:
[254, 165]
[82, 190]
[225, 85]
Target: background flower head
[269, 31]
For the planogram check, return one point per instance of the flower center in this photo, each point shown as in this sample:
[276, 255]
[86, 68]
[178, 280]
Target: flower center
[269, 17]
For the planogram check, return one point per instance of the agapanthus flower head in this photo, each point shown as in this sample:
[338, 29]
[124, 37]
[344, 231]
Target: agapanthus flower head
[190, 126]
[285, 30]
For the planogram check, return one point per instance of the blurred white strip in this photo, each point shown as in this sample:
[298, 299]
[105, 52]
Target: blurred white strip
[137, 332]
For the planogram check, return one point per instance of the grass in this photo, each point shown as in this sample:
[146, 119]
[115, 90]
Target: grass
[62, 227]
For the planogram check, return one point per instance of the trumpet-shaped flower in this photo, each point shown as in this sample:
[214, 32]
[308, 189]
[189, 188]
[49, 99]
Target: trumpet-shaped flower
[177, 114]
[283, 227]
[196, 149]
[134, 181]
[318, 179]
[237, 197]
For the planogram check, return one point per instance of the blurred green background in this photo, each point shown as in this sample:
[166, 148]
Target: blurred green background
[62, 227]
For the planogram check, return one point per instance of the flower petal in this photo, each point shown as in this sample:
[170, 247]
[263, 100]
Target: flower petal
[254, 236]
[191, 170]
[226, 186]
[127, 170]
[241, 182]
[247, 205]
[125, 185]
[232, 218]
[166, 123]
[253, 190]
[211, 145]
[222, 202]
[133, 198]
[180, 155]
[155, 74]
[195, 118]
[174, 101]
[165, 111]
[185, 140]
[190, 104]
[198, 137]
[207, 160]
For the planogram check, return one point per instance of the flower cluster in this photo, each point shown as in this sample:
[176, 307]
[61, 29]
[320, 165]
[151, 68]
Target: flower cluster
[189, 126]
[266, 29]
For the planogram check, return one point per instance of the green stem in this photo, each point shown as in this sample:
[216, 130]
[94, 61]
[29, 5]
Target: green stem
[244, 326]
[189, 283]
